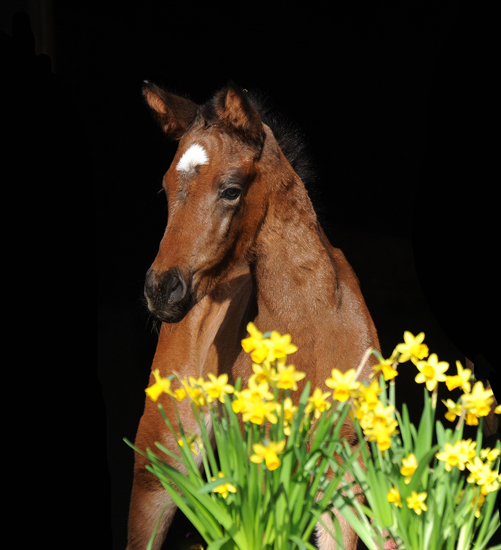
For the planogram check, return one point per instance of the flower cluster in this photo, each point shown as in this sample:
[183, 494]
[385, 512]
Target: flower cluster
[461, 455]
[259, 403]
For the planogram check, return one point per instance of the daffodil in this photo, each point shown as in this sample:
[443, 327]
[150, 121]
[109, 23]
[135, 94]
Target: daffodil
[225, 488]
[262, 372]
[460, 380]
[344, 385]
[217, 388]
[180, 394]
[385, 366]
[394, 497]
[416, 502]
[268, 451]
[257, 391]
[468, 447]
[279, 347]
[286, 377]
[479, 401]
[453, 456]
[254, 344]
[238, 404]
[471, 419]
[381, 434]
[161, 385]
[412, 348]
[482, 475]
[453, 409]
[288, 410]
[317, 402]
[378, 424]
[409, 466]
[431, 371]
[256, 411]
[380, 415]
[195, 391]
[369, 394]
[489, 455]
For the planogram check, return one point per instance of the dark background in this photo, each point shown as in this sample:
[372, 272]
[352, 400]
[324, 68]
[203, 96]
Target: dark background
[395, 100]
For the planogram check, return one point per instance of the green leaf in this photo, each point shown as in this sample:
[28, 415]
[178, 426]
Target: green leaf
[157, 525]
[301, 544]
[218, 544]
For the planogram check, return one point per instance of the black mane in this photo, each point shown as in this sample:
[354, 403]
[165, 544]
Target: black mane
[290, 139]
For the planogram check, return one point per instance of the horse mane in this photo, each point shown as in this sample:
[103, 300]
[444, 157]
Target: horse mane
[288, 135]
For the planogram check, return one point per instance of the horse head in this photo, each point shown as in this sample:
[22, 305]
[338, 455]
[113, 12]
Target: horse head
[216, 194]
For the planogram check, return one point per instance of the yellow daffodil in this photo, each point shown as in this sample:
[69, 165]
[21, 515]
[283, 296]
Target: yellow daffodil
[369, 394]
[386, 368]
[225, 488]
[497, 410]
[268, 451]
[489, 455]
[217, 388]
[394, 497]
[479, 401]
[286, 377]
[416, 502]
[180, 394]
[288, 410]
[471, 419]
[257, 410]
[468, 447]
[409, 466]
[317, 402]
[161, 385]
[453, 456]
[263, 372]
[381, 434]
[257, 391]
[238, 404]
[453, 409]
[344, 385]
[431, 371]
[254, 344]
[412, 348]
[195, 391]
[378, 424]
[460, 380]
[482, 475]
[279, 347]
[380, 415]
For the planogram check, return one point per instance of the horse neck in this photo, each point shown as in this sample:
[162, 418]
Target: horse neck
[306, 288]
[293, 272]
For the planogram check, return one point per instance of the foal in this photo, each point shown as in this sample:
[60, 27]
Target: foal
[242, 244]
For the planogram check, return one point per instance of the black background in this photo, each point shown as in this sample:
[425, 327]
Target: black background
[396, 102]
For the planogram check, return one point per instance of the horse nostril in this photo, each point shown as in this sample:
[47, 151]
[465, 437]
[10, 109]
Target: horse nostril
[175, 288]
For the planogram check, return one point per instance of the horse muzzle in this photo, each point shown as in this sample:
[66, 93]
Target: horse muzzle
[168, 295]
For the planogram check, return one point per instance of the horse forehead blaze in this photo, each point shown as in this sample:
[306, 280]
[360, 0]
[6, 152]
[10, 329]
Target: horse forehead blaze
[193, 157]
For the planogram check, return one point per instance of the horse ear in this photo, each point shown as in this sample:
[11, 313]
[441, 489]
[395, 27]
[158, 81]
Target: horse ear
[173, 112]
[235, 109]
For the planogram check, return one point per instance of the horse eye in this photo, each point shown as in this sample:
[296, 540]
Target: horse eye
[231, 193]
